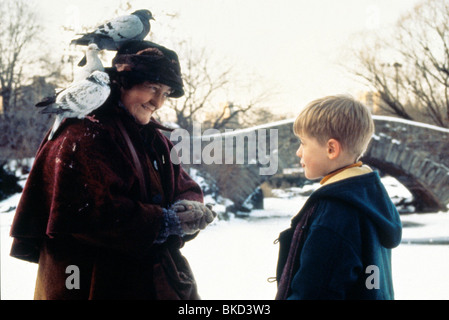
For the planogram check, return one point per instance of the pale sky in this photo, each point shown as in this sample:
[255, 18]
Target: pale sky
[293, 46]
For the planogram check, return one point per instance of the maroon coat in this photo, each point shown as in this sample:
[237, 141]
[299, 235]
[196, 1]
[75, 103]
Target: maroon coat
[82, 206]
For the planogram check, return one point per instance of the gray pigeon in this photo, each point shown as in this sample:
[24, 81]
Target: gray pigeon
[93, 63]
[78, 100]
[112, 34]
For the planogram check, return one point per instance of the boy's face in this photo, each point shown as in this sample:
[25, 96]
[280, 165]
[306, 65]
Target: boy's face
[314, 158]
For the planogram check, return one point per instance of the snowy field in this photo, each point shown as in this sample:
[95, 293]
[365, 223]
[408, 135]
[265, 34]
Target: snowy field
[232, 260]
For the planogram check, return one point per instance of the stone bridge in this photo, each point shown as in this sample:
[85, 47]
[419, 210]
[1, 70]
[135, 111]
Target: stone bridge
[416, 154]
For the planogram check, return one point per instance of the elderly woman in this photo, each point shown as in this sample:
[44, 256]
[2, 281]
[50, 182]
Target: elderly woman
[104, 211]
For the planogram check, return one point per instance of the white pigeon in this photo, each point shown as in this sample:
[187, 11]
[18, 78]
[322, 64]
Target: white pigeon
[78, 100]
[112, 34]
[93, 63]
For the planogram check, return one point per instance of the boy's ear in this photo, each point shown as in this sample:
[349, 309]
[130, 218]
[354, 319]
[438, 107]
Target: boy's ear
[333, 149]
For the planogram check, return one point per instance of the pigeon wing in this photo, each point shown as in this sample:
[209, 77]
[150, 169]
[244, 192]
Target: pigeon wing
[46, 101]
[102, 40]
[78, 101]
[82, 98]
[121, 28]
[93, 98]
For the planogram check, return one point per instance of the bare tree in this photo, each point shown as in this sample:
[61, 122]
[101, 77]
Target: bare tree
[209, 85]
[21, 127]
[18, 27]
[254, 112]
[200, 85]
[410, 69]
[209, 82]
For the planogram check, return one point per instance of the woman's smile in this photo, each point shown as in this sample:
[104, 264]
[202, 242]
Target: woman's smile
[144, 99]
[149, 107]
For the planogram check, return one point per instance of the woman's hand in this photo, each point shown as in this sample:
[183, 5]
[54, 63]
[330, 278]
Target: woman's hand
[193, 215]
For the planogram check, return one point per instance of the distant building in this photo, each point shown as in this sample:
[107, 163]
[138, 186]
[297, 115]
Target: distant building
[375, 103]
[227, 109]
[38, 89]
[29, 95]
[234, 122]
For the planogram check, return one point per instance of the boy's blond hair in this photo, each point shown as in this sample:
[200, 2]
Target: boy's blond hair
[338, 117]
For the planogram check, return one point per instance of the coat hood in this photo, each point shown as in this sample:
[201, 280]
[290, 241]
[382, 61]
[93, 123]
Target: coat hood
[366, 192]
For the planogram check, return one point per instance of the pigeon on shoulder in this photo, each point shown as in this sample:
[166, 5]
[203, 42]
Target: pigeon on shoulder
[112, 34]
[78, 100]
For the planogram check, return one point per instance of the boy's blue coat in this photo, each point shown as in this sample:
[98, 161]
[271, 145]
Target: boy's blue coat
[353, 227]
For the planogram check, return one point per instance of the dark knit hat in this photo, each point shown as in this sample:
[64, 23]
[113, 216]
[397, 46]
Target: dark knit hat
[148, 61]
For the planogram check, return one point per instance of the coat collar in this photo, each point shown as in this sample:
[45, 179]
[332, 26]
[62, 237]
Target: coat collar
[354, 170]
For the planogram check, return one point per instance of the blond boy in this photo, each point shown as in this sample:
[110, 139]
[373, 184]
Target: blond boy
[339, 244]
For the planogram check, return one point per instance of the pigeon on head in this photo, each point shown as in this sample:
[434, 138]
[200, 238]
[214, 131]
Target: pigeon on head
[114, 33]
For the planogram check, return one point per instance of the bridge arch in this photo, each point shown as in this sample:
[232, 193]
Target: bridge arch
[415, 154]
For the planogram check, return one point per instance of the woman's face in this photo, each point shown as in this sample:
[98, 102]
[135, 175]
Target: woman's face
[144, 99]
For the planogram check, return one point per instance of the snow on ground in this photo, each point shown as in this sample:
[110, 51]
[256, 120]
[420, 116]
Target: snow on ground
[232, 260]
